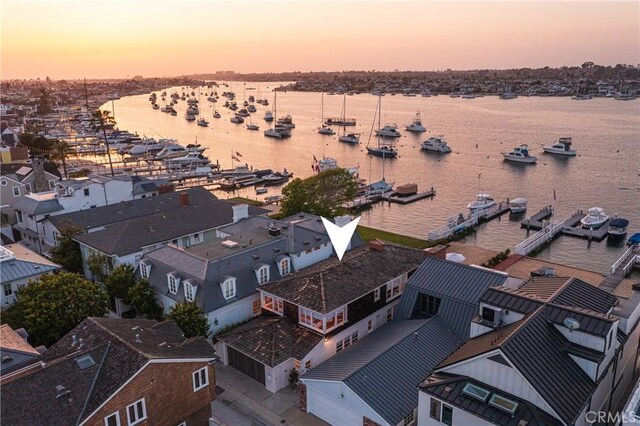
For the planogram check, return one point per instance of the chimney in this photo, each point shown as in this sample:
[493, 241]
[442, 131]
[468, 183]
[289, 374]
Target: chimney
[184, 199]
[240, 211]
[40, 183]
[376, 245]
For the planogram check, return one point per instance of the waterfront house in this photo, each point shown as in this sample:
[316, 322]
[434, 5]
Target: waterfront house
[19, 265]
[187, 225]
[374, 382]
[318, 312]
[15, 350]
[547, 351]
[222, 274]
[115, 372]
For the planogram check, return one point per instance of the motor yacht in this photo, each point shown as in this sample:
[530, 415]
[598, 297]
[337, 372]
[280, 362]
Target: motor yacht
[581, 97]
[216, 114]
[518, 205]
[251, 108]
[202, 122]
[595, 218]
[286, 122]
[436, 144]
[520, 154]
[562, 147]
[353, 138]
[243, 113]
[151, 146]
[327, 163]
[508, 95]
[261, 190]
[189, 117]
[252, 126]
[277, 132]
[416, 126]
[388, 131]
[190, 160]
[326, 130]
[237, 119]
[483, 201]
[268, 116]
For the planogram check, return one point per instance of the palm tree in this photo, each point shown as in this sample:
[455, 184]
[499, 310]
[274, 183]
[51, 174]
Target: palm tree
[61, 150]
[99, 121]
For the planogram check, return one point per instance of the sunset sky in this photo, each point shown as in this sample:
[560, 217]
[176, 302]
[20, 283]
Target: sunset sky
[113, 39]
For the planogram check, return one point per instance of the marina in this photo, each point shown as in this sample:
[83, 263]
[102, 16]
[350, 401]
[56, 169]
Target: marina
[570, 226]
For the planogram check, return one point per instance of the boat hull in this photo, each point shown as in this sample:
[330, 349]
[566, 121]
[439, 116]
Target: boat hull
[595, 225]
[570, 153]
[521, 160]
[382, 153]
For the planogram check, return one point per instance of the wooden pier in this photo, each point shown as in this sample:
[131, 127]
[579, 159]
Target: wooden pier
[459, 224]
[571, 227]
[488, 214]
[620, 269]
[394, 198]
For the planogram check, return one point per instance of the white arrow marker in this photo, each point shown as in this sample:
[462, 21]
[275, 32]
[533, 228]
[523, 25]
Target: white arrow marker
[340, 236]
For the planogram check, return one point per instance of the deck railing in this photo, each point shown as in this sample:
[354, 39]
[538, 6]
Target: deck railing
[622, 261]
[539, 238]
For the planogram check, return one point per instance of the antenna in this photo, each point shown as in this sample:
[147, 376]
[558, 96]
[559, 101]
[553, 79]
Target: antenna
[571, 323]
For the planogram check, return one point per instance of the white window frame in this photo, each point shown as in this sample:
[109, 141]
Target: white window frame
[86, 192]
[144, 270]
[116, 414]
[256, 307]
[197, 375]
[196, 238]
[376, 294]
[173, 282]
[277, 304]
[309, 318]
[395, 288]
[190, 291]
[284, 270]
[52, 184]
[20, 216]
[14, 191]
[229, 288]
[335, 314]
[140, 419]
[263, 274]
[28, 187]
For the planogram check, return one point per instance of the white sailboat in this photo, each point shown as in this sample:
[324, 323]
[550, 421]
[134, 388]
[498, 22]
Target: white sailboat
[384, 149]
[324, 129]
[276, 131]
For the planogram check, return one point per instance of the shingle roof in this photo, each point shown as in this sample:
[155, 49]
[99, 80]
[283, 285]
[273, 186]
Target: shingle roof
[127, 210]
[272, 340]
[10, 340]
[30, 206]
[448, 388]
[371, 364]
[118, 356]
[333, 283]
[130, 236]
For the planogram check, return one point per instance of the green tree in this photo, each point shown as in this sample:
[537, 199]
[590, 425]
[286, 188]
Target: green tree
[100, 120]
[190, 319]
[119, 281]
[38, 145]
[54, 304]
[60, 152]
[67, 251]
[322, 194]
[44, 102]
[99, 266]
[143, 299]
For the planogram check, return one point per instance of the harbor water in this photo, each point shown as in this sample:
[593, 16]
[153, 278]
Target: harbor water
[605, 173]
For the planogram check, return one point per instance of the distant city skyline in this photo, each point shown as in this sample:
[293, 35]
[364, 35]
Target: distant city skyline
[116, 39]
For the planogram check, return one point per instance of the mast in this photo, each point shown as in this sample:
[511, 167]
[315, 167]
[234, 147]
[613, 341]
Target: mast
[86, 97]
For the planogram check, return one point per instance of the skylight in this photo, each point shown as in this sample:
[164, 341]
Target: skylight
[503, 404]
[85, 362]
[476, 392]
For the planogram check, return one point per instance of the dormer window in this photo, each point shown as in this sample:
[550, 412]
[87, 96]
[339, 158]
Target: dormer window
[229, 288]
[190, 291]
[173, 283]
[262, 274]
[394, 288]
[145, 269]
[284, 265]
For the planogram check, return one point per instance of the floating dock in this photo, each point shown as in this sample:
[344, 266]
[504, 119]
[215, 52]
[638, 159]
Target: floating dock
[394, 198]
[459, 224]
[488, 214]
[571, 226]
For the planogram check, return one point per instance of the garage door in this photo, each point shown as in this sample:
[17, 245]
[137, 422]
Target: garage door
[245, 364]
[331, 411]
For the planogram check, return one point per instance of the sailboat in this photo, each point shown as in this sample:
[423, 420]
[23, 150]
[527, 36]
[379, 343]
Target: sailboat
[384, 149]
[343, 120]
[380, 187]
[201, 120]
[324, 129]
[276, 132]
[252, 125]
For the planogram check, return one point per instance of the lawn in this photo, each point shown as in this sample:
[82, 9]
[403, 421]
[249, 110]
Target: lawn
[248, 201]
[368, 234]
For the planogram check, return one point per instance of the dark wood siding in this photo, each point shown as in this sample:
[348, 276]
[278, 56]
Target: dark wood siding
[365, 306]
[246, 364]
[290, 311]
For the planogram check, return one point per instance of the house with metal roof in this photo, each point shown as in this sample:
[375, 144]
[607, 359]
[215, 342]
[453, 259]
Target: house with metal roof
[187, 225]
[19, 265]
[543, 352]
[318, 312]
[114, 372]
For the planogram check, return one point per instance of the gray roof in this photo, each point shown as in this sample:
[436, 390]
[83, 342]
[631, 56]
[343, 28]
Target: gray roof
[329, 285]
[131, 236]
[127, 210]
[448, 388]
[30, 206]
[372, 364]
[14, 269]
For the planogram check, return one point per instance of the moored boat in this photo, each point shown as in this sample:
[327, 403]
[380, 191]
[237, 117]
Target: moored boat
[520, 154]
[618, 227]
[483, 201]
[436, 144]
[518, 205]
[595, 218]
[562, 147]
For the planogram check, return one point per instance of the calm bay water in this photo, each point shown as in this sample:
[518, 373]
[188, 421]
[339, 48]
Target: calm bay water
[605, 173]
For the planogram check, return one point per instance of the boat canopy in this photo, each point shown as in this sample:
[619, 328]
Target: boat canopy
[635, 239]
[518, 201]
[619, 223]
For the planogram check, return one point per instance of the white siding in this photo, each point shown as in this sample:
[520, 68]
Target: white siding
[460, 417]
[233, 313]
[589, 367]
[277, 378]
[499, 376]
[583, 339]
[337, 404]
[303, 259]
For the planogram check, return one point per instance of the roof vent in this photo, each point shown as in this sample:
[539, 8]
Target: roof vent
[318, 238]
[230, 244]
[306, 243]
[138, 338]
[74, 340]
[5, 359]
[255, 256]
[61, 391]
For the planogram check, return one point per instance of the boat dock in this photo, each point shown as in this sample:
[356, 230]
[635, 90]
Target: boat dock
[495, 211]
[394, 198]
[619, 270]
[459, 224]
[571, 226]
